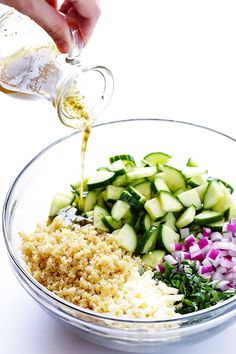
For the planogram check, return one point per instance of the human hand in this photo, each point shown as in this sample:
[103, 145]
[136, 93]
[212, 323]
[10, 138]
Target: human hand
[79, 14]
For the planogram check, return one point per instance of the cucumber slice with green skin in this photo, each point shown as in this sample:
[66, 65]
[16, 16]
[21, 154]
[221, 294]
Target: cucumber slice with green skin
[201, 190]
[125, 158]
[186, 218]
[166, 237]
[224, 203]
[118, 167]
[90, 201]
[189, 198]
[132, 200]
[226, 184]
[148, 241]
[154, 208]
[59, 201]
[212, 195]
[145, 223]
[191, 163]
[217, 226]
[131, 217]
[144, 188]
[138, 181]
[113, 193]
[100, 179]
[155, 158]
[138, 195]
[169, 202]
[173, 178]
[98, 215]
[153, 258]
[127, 238]
[141, 172]
[196, 181]
[193, 171]
[170, 220]
[159, 185]
[179, 191]
[120, 181]
[111, 224]
[207, 217]
[89, 214]
[119, 210]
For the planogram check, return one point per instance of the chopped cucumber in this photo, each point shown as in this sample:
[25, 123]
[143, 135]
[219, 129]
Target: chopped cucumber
[148, 241]
[119, 210]
[90, 201]
[113, 193]
[201, 190]
[154, 208]
[141, 172]
[132, 200]
[166, 237]
[155, 158]
[125, 158]
[212, 195]
[207, 217]
[110, 223]
[169, 202]
[193, 171]
[224, 203]
[159, 185]
[100, 179]
[173, 178]
[98, 216]
[127, 238]
[170, 220]
[145, 223]
[153, 258]
[187, 217]
[196, 181]
[217, 226]
[60, 201]
[118, 167]
[232, 209]
[120, 181]
[189, 198]
[144, 188]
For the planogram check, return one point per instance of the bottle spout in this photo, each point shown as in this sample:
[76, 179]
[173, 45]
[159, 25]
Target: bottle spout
[73, 57]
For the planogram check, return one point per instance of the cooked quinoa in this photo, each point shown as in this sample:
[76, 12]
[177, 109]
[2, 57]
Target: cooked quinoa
[88, 268]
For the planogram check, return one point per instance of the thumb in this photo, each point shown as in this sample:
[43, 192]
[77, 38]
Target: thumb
[51, 21]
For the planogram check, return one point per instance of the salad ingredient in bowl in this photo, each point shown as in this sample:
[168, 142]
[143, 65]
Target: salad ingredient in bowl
[139, 209]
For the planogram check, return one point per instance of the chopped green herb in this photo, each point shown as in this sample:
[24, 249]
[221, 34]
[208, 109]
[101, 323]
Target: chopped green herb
[199, 293]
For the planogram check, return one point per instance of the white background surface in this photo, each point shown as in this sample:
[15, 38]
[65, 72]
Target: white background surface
[174, 59]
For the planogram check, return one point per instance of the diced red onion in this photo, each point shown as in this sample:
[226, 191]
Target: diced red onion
[231, 227]
[205, 269]
[206, 231]
[206, 262]
[184, 256]
[170, 259]
[160, 268]
[233, 221]
[216, 236]
[223, 285]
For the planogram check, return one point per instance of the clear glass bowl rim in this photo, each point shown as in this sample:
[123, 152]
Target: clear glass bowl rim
[50, 295]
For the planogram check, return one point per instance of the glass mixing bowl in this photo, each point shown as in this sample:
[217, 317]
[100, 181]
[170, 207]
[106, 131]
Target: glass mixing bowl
[58, 165]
